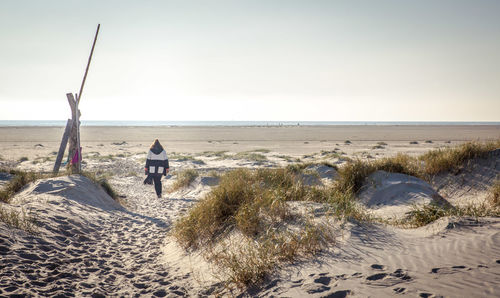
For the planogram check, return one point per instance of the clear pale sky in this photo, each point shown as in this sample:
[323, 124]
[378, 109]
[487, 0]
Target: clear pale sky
[436, 60]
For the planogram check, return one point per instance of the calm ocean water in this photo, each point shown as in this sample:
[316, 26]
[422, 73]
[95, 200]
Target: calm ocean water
[227, 123]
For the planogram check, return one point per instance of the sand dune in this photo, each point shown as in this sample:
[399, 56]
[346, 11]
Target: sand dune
[86, 244]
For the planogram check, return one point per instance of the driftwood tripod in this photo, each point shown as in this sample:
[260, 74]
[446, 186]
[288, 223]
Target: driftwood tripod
[72, 131]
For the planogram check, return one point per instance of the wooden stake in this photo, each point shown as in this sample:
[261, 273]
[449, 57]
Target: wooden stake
[88, 65]
[62, 147]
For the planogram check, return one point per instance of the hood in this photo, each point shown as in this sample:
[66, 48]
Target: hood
[157, 149]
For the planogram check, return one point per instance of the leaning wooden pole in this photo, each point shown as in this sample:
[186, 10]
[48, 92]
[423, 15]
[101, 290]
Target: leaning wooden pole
[88, 65]
[63, 145]
[78, 97]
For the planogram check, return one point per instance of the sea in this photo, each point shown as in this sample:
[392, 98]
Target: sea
[7, 123]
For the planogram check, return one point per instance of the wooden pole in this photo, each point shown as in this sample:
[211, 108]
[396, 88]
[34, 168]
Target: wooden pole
[62, 147]
[78, 96]
[88, 65]
[78, 146]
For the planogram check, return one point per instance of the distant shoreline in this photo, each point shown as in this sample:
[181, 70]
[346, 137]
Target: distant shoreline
[100, 123]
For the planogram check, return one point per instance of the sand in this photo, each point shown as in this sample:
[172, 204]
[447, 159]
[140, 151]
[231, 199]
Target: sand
[86, 244]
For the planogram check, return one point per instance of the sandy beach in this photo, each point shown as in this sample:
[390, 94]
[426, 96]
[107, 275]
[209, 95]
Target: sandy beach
[87, 244]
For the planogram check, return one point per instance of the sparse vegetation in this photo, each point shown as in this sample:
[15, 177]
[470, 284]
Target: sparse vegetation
[18, 219]
[24, 158]
[423, 215]
[262, 150]
[183, 157]
[220, 154]
[495, 194]
[184, 179]
[285, 157]
[102, 180]
[353, 174]
[254, 203]
[451, 159]
[382, 143]
[413, 143]
[251, 156]
[242, 223]
[347, 142]
[19, 180]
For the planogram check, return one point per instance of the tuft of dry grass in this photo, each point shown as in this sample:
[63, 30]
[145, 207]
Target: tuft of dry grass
[495, 194]
[248, 262]
[21, 178]
[423, 215]
[451, 159]
[18, 219]
[253, 203]
[353, 174]
[184, 179]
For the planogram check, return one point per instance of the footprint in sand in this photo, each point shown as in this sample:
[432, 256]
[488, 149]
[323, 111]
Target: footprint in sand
[388, 279]
[338, 294]
[450, 270]
[378, 267]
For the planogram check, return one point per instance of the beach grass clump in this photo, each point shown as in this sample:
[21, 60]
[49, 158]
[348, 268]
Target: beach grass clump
[244, 200]
[352, 175]
[451, 159]
[495, 194]
[20, 179]
[184, 179]
[252, 204]
[23, 158]
[248, 262]
[18, 219]
[423, 215]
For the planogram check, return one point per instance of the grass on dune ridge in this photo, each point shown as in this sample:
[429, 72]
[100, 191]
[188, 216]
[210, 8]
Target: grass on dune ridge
[353, 174]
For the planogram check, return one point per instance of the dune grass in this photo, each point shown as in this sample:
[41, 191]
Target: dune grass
[353, 174]
[18, 219]
[495, 194]
[20, 179]
[254, 204]
[247, 262]
[184, 179]
[451, 159]
[420, 216]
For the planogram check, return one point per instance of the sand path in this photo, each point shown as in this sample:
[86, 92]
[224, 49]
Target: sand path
[83, 249]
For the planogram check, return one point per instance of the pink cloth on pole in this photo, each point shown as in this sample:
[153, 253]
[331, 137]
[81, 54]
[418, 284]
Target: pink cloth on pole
[77, 156]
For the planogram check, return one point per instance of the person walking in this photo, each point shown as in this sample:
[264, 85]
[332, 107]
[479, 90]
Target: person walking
[156, 166]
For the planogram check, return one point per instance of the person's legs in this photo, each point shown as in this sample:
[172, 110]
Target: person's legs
[157, 180]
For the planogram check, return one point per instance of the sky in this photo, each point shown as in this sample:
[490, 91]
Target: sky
[274, 60]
